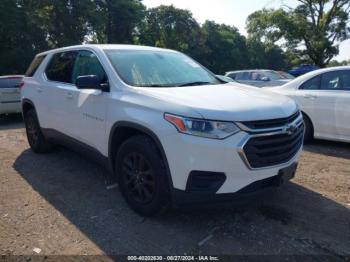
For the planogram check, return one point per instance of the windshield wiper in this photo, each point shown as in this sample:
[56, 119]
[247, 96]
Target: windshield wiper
[197, 83]
[155, 85]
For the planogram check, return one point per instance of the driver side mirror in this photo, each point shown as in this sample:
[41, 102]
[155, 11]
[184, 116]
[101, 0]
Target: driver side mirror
[90, 82]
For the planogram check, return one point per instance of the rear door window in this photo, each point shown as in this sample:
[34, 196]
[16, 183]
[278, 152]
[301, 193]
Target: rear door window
[34, 65]
[60, 68]
[331, 81]
[337, 80]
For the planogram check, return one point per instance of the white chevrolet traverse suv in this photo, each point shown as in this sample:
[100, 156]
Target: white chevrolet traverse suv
[167, 128]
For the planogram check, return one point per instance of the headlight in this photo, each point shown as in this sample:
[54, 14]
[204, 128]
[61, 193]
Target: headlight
[201, 127]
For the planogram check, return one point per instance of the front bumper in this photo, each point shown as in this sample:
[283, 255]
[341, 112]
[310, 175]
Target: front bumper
[186, 154]
[250, 191]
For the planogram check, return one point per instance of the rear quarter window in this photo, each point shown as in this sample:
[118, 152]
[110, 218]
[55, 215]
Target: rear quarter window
[34, 65]
[312, 84]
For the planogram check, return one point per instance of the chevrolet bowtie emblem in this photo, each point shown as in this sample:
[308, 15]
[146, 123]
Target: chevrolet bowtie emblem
[290, 129]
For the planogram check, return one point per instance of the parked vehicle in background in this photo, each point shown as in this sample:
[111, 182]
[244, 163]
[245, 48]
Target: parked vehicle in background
[10, 95]
[302, 69]
[225, 78]
[258, 78]
[166, 127]
[324, 98]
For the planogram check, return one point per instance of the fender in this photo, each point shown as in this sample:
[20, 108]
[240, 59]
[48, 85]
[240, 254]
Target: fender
[146, 131]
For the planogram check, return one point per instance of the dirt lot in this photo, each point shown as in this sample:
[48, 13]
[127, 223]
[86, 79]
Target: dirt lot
[58, 203]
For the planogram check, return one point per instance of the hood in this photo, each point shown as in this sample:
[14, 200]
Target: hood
[227, 102]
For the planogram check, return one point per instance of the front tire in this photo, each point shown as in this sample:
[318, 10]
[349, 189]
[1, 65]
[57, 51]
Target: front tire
[142, 176]
[35, 137]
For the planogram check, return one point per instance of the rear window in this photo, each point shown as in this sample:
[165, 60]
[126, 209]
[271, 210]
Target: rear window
[14, 82]
[61, 66]
[34, 65]
[10, 81]
[3, 83]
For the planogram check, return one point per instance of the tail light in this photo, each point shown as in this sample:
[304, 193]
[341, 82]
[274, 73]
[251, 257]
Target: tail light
[21, 84]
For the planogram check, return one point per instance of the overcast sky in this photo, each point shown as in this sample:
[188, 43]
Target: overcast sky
[233, 12]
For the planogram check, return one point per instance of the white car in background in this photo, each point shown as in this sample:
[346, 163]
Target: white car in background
[10, 94]
[324, 98]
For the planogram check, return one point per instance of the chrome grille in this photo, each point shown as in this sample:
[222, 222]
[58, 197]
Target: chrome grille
[272, 142]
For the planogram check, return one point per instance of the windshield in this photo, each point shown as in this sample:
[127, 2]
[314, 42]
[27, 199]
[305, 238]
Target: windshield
[146, 68]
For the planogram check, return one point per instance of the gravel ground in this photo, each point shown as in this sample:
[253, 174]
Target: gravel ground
[58, 204]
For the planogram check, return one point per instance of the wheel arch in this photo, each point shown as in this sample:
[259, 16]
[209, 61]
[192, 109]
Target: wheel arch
[309, 119]
[27, 105]
[123, 130]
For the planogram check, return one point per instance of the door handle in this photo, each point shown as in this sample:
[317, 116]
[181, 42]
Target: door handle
[309, 96]
[69, 95]
[39, 89]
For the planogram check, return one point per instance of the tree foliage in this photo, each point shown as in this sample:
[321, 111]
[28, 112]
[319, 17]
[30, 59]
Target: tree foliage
[21, 37]
[267, 55]
[28, 27]
[225, 47]
[217, 46]
[337, 63]
[170, 27]
[115, 21]
[311, 30]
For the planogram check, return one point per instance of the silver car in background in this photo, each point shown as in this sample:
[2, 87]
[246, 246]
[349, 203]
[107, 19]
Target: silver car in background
[258, 78]
[10, 94]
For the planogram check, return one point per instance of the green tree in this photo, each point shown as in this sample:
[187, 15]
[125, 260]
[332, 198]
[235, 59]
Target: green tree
[169, 27]
[339, 63]
[116, 21]
[67, 22]
[312, 29]
[21, 37]
[266, 55]
[28, 27]
[225, 48]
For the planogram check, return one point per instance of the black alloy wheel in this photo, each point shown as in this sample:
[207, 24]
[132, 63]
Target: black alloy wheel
[139, 177]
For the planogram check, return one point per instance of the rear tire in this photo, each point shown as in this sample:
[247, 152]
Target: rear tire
[35, 137]
[309, 130]
[142, 176]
